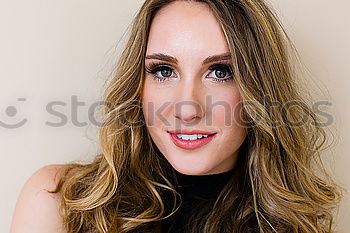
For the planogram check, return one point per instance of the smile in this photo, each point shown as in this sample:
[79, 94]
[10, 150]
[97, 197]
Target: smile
[191, 141]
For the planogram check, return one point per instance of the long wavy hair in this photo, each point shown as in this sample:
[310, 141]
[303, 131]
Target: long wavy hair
[282, 185]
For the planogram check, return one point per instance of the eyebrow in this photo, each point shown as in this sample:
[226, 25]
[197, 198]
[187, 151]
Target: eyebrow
[210, 59]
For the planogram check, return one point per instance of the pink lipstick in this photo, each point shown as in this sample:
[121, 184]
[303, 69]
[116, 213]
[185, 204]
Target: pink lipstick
[191, 144]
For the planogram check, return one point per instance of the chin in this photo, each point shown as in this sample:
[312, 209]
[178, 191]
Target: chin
[191, 168]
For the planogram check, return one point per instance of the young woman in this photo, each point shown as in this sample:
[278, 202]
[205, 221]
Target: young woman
[204, 130]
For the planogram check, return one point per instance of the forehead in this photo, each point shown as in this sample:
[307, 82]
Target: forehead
[187, 30]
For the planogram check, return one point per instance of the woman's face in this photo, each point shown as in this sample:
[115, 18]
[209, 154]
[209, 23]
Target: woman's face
[189, 86]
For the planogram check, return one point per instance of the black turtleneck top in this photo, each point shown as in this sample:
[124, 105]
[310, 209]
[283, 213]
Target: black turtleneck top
[198, 193]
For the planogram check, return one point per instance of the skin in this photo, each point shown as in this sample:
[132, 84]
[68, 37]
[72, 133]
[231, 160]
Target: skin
[37, 211]
[190, 32]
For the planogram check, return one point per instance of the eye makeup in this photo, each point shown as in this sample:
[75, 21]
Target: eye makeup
[156, 69]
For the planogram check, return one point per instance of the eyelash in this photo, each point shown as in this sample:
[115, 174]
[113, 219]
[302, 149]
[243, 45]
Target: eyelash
[154, 67]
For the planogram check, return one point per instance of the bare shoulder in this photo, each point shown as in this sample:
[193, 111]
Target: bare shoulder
[36, 209]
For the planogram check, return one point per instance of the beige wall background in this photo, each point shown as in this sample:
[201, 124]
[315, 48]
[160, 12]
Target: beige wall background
[55, 50]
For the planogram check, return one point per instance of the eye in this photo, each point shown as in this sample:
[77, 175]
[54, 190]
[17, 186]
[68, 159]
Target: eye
[160, 71]
[220, 72]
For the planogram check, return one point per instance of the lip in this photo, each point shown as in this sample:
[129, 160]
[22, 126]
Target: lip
[191, 144]
[188, 131]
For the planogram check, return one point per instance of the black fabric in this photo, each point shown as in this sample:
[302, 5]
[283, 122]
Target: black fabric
[198, 193]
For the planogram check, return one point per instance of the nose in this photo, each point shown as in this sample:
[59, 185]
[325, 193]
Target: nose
[188, 107]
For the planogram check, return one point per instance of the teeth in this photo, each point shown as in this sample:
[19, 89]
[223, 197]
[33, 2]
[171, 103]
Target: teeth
[191, 136]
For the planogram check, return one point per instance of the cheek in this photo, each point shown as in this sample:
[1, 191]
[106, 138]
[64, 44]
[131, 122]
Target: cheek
[229, 119]
[155, 106]
[226, 109]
